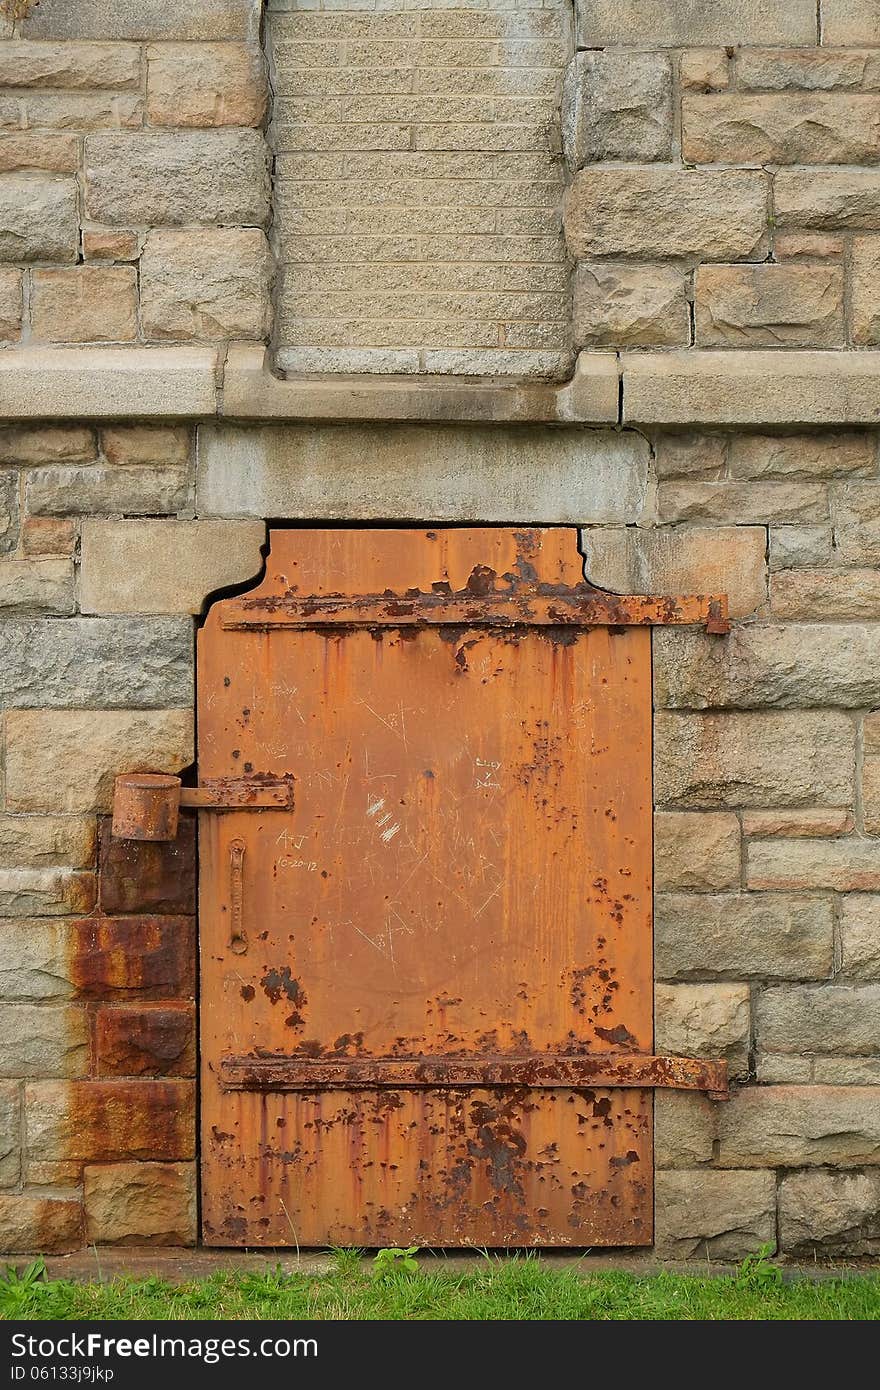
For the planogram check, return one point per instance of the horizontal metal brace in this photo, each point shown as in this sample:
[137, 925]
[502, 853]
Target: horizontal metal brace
[146, 804]
[607, 1070]
[238, 794]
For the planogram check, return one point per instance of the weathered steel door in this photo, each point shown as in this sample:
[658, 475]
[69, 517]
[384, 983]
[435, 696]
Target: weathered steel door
[426, 985]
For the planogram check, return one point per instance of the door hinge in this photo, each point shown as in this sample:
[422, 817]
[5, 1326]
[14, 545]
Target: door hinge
[146, 804]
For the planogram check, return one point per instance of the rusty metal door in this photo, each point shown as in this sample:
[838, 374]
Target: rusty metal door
[426, 943]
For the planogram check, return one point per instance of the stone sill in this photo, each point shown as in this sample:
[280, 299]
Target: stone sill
[696, 387]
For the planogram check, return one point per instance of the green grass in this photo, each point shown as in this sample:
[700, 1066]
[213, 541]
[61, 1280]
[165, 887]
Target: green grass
[494, 1289]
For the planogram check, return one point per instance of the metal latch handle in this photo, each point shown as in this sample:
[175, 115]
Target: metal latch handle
[238, 942]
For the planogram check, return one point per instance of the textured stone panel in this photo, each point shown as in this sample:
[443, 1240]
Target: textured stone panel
[631, 305]
[143, 19]
[140, 1203]
[164, 566]
[696, 850]
[704, 1020]
[746, 936]
[794, 305]
[832, 1214]
[207, 284]
[723, 1216]
[688, 23]
[800, 1126]
[101, 663]
[824, 1018]
[38, 219]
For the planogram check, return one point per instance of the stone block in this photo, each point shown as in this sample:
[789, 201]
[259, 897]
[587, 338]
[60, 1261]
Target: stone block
[841, 1019]
[846, 865]
[146, 444]
[856, 515]
[43, 1225]
[618, 105]
[45, 892]
[691, 23]
[110, 245]
[668, 560]
[688, 454]
[865, 292]
[72, 66]
[860, 936]
[631, 305]
[712, 1215]
[66, 760]
[738, 502]
[827, 199]
[791, 665]
[155, 1041]
[42, 842]
[177, 179]
[34, 960]
[793, 305]
[163, 566]
[211, 283]
[697, 851]
[684, 1129]
[780, 128]
[842, 453]
[10, 1135]
[102, 663]
[148, 876]
[800, 1126]
[448, 473]
[103, 1121]
[806, 825]
[39, 220]
[140, 1203]
[9, 511]
[39, 151]
[826, 594]
[747, 936]
[704, 70]
[36, 586]
[143, 19]
[132, 958]
[24, 444]
[830, 1214]
[60, 383]
[704, 1020]
[43, 1040]
[783, 1071]
[763, 758]
[850, 21]
[807, 69]
[846, 1071]
[206, 84]
[85, 305]
[800, 547]
[809, 246]
[11, 303]
[658, 212]
[67, 491]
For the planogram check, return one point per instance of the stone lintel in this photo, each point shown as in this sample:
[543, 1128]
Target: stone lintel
[93, 383]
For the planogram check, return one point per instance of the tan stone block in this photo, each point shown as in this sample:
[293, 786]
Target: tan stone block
[845, 865]
[764, 758]
[829, 594]
[39, 220]
[69, 65]
[209, 84]
[835, 1214]
[146, 444]
[41, 1225]
[11, 304]
[45, 892]
[85, 305]
[106, 1121]
[704, 1020]
[871, 732]
[840, 453]
[36, 586]
[742, 502]
[143, 19]
[83, 111]
[850, 21]
[839, 1019]
[811, 246]
[794, 128]
[35, 959]
[138, 491]
[694, 850]
[806, 825]
[212, 283]
[855, 509]
[783, 1071]
[743, 936]
[847, 1071]
[617, 105]
[43, 1040]
[10, 1135]
[663, 211]
[871, 797]
[704, 1213]
[46, 841]
[54, 1174]
[684, 1129]
[810, 69]
[691, 455]
[667, 560]
[827, 199]
[860, 936]
[37, 150]
[164, 566]
[47, 444]
[140, 1203]
[800, 547]
[106, 244]
[704, 70]
[65, 760]
[48, 535]
[865, 291]
[677, 25]
[769, 305]
[639, 306]
[800, 1126]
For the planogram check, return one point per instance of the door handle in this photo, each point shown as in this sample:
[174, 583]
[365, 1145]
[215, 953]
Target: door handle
[238, 942]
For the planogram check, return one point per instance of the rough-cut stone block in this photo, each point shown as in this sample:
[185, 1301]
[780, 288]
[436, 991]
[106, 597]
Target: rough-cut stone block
[163, 566]
[102, 1121]
[148, 876]
[211, 283]
[809, 246]
[104, 245]
[85, 305]
[42, 842]
[449, 474]
[10, 1135]
[155, 1041]
[860, 936]
[35, 150]
[81, 491]
[132, 958]
[850, 21]
[9, 509]
[70, 65]
[847, 865]
[174, 180]
[704, 1020]
[856, 513]
[684, 1129]
[34, 960]
[10, 304]
[41, 1225]
[687, 454]
[865, 275]
[809, 69]
[783, 1071]
[52, 383]
[663, 560]
[806, 825]
[690, 23]
[48, 535]
[143, 19]
[827, 199]
[800, 1126]
[800, 547]
[751, 936]
[724, 1216]
[827, 594]
[844, 453]
[820, 1018]
[835, 1214]
[66, 760]
[24, 444]
[140, 1203]
[846, 1071]
[38, 219]
[704, 70]
[789, 128]
[768, 758]
[36, 586]
[631, 305]
[45, 892]
[208, 84]
[146, 444]
[733, 502]
[43, 1040]
[696, 850]
[102, 663]
[792, 665]
[793, 305]
[618, 105]
[654, 212]
[769, 387]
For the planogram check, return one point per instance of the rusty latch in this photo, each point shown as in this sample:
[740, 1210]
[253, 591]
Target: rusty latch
[146, 804]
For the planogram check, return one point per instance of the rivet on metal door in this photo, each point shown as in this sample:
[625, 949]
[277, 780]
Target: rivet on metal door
[427, 975]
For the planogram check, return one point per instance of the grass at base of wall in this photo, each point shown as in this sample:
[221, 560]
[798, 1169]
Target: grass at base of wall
[498, 1289]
